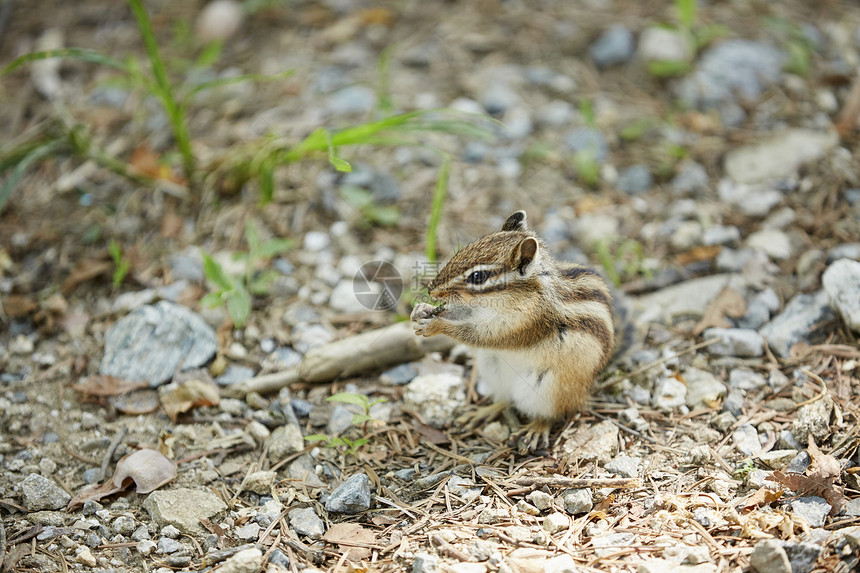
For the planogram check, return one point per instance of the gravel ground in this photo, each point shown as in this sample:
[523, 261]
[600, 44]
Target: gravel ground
[723, 200]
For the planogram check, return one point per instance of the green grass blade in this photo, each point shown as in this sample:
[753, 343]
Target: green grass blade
[439, 194]
[81, 54]
[24, 164]
[221, 82]
[175, 112]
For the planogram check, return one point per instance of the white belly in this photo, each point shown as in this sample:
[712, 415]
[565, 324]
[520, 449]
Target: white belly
[512, 376]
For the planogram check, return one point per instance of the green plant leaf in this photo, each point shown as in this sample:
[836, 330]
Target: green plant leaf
[34, 155]
[274, 247]
[239, 305]
[686, 12]
[668, 68]
[215, 273]
[221, 82]
[80, 54]
[211, 300]
[316, 438]
[440, 192]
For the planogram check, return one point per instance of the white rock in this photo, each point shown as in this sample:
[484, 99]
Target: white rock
[669, 393]
[742, 342]
[555, 522]
[703, 388]
[841, 281]
[664, 44]
[774, 242]
[780, 156]
[219, 20]
[435, 396]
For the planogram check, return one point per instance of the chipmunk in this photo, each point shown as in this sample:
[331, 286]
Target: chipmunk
[541, 329]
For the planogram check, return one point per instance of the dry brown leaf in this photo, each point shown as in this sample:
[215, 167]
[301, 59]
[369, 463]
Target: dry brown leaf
[146, 469]
[85, 270]
[146, 161]
[728, 303]
[102, 386]
[696, 254]
[431, 434]
[352, 539]
[762, 496]
[137, 402]
[17, 306]
[823, 465]
[189, 394]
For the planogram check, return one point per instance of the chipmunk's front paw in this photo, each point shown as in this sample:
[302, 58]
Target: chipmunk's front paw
[423, 316]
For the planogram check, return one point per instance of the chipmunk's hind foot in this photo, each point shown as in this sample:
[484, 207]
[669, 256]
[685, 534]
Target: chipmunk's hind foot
[535, 435]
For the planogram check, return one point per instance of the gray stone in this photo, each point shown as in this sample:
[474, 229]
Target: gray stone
[684, 300]
[343, 298]
[124, 525]
[246, 561]
[844, 251]
[624, 466]
[669, 393]
[234, 374]
[436, 396]
[183, 508]
[587, 140]
[167, 546]
[659, 44]
[799, 463]
[794, 323]
[768, 556]
[425, 563]
[779, 156]
[741, 342]
[732, 68]
[635, 179]
[352, 99]
[614, 46]
[774, 242]
[250, 531]
[555, 522]
[802, 556]
[260, 482]
[464, 488]
[691, 178]
[746, 379]
[154, 342]
[540, 499]
[746, 440]
[734, 402]
[598, 442]
[721, 235]
[853, 507]
[777, 459]
[813, 419]
[841, 281]
[285, 440]
[703, 388]
[578, 501]
[813, 509]
[399, 375]
[42, 493]
[352, 496]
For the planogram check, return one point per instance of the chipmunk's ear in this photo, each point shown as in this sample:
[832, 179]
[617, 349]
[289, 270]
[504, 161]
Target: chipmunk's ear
[525, 254]
[516, 222]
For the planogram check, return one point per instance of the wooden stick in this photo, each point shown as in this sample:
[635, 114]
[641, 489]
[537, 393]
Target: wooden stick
[365, 352]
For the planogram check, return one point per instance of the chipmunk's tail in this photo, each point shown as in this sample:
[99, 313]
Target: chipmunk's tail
[622, 320]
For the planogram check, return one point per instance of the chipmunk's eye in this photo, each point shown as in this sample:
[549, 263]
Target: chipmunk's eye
[478, 277]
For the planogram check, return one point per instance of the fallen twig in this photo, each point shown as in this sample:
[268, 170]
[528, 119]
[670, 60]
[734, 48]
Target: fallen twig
[351, 356]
